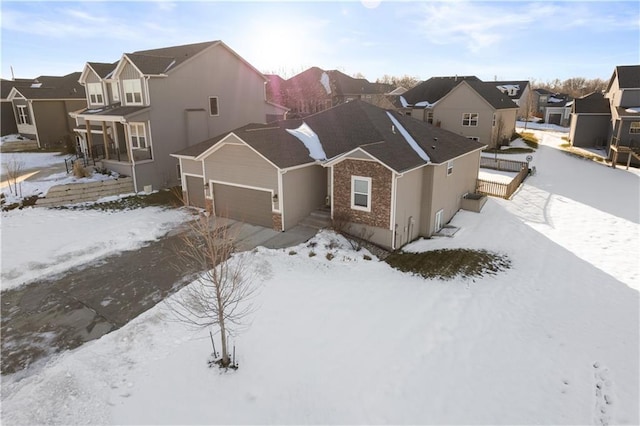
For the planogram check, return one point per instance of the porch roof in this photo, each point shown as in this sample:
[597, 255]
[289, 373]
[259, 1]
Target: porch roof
[115, 110]
[629, 112]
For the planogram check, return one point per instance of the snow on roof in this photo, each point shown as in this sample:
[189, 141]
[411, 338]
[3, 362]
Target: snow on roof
[403, 102]
[36, 85]
[556, 100]
[426, 104]
[410, 140]
[324, 80]
[633, 109]
[310, 139]
[170, 65]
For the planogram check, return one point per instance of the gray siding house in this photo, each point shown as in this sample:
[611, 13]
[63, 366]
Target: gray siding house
[41, 108]
[151, 103]
[520, 93]
[395, 177]
[611, 120]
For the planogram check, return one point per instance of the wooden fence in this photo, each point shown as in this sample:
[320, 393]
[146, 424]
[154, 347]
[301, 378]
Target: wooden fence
[501, 164]
[499, 189]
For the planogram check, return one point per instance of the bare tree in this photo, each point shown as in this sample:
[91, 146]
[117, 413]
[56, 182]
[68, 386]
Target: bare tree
[14, 168]
[498, 136]
[221, 296]
[405, 81]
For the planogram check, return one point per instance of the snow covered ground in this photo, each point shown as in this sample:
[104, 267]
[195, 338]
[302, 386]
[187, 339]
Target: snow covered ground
[553, 340]
[39, 241]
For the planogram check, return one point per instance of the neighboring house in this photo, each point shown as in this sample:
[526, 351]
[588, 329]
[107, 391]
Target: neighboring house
[154, 102]
[558, 109]
[463, 105]
[41, 108]
[8, 124]
[613, 117]
[390, 175]
[590, 121]
[520, 93]
[540, 100]
[315, 90]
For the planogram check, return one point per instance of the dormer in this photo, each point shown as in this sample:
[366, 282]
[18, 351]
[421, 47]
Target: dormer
[133, 73]
[97, 88]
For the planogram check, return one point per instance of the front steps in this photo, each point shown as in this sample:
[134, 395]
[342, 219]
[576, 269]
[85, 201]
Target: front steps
[318, 219]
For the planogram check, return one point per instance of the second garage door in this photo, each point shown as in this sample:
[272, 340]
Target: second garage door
[244, 204]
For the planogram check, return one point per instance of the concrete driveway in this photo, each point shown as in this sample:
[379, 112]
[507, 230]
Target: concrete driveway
[65, 311]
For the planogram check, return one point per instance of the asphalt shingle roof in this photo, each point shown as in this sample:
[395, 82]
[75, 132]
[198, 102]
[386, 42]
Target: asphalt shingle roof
[53, 87]
[491, 94]
[348, 126]
[519, 84]
[628, 76]
[103, 69]
[157, 61]
[594, 103]
[435, 88]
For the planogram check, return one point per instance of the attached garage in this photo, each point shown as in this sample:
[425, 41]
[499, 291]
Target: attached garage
[195, 191]
[555, 118]
[243, 204]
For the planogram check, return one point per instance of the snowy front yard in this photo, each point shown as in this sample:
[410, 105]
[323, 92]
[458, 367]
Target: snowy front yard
[552, 340]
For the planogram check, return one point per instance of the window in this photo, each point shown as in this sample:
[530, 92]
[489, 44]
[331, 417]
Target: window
[95, 93]
[470, 119]
[493, 123]
[635, 127]
[132, 92]
[474, 138]
[213, 106]
[138, 136]
[430, 117]
[361, 193]
[449, 168]
[115, 91]
[23, 114]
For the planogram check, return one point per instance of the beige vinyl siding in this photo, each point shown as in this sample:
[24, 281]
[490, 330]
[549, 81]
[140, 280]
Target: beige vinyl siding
[305, 190]
[508, 117]
[240, 165]
[408, 205]
[53, 121]
[448, 190]
[462, 99]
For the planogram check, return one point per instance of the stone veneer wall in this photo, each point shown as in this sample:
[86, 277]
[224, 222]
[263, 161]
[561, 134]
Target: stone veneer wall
[277, 222]
[381, 178]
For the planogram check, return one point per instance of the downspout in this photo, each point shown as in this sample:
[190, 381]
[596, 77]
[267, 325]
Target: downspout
[281, 197]
[394, 186]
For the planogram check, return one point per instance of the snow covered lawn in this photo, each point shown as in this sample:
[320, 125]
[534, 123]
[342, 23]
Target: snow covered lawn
[553, 340]
[40, 241]
[31, 160]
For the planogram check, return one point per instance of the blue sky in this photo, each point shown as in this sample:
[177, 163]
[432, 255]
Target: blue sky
[504, 40]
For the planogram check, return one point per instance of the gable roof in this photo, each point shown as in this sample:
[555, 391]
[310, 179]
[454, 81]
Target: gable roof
[628, 76]
[434, 89]
[7, 85]
[53, 87]
[593, 103]
[102, 69]
[346, 127]
[492, 95]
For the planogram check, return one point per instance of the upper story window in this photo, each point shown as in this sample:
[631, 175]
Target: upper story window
[95, 93]
[430, 117]
[23, 114]
[493, 122]
[449, 167]
[361, 193]
[115, 91]
[635, 127]
[213, 106]
[470, 119]
[132, 92]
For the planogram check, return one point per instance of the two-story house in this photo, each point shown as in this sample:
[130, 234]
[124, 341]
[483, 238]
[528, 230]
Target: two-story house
[315, 90]
[151, 103]
[41, 108]
[463, 105]
[613, 116]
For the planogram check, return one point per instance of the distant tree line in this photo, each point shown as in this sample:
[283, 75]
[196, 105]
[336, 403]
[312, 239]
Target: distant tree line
[574, 87]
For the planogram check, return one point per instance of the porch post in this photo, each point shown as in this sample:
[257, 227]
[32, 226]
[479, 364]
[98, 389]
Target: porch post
[104, 140]
[89, 138]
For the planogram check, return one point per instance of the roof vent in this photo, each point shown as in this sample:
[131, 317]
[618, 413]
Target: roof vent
[393, 129]
[435, 139]
[433, 147]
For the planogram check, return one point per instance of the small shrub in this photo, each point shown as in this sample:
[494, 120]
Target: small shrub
[312, 253]
[292, 253]
[340, 221]
[330, 256]
[79, 171]
[312, 244]
[530, 139]
[366, 257]
[332, 245]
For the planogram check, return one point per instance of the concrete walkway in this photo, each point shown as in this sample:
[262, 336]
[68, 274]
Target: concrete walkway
[83, 304]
